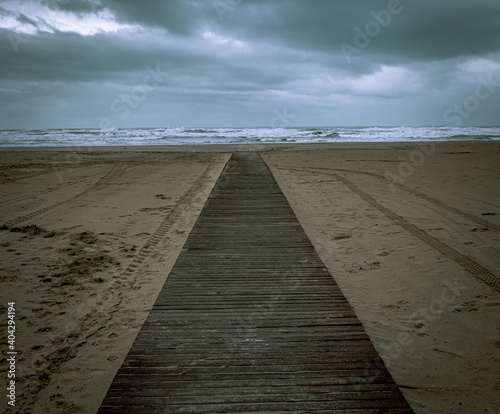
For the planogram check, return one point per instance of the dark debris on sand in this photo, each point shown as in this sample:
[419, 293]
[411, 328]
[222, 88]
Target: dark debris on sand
[31, 230]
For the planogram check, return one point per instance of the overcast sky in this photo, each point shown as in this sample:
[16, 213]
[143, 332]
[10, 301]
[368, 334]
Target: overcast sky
[235, 63]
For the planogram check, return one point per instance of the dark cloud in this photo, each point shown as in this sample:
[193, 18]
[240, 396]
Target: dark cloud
[73, 6]
[424, 29]
[244, 58]
[180, 17]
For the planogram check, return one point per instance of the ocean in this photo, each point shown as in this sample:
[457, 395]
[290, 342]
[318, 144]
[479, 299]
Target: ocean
[200, 136]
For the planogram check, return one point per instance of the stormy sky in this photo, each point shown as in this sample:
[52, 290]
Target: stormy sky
[236, 63]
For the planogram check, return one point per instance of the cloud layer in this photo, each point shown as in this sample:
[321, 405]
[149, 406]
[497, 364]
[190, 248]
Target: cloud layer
[83, 63]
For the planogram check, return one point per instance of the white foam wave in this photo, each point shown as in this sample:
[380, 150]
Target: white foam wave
[176, 136]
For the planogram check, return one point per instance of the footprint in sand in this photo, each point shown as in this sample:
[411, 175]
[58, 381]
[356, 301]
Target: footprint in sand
[469, 306]
[46, 329]
[384, 253]
[342, 237]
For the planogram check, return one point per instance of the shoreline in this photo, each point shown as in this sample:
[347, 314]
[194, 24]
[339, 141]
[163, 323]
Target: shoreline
[248, 147]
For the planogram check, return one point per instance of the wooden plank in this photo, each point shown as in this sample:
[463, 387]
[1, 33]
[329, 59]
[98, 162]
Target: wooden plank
[250, 321]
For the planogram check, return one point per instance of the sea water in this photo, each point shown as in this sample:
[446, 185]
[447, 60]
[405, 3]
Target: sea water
[199, 136]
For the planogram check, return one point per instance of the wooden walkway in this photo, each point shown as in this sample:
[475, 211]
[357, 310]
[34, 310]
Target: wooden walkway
[250, 320]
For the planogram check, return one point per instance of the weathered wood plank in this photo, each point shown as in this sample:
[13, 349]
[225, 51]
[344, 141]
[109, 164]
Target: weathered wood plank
[250, 320]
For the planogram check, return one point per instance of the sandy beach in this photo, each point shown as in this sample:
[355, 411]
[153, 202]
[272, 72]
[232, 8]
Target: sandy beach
[410, 232]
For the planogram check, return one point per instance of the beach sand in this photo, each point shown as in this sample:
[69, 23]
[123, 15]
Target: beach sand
[89, 236]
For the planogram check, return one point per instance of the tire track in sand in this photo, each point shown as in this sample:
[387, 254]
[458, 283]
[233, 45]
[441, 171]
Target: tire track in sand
[113, 174]
[39, 193]
[115, 293]
[480, 272]
[439, 203]
[164, 227]
[33, 174]
[117, 290]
